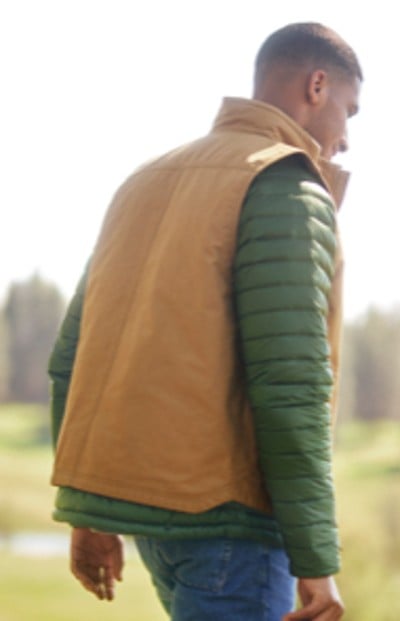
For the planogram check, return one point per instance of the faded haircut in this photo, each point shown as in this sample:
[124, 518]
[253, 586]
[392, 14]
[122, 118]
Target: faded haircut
[297, 44]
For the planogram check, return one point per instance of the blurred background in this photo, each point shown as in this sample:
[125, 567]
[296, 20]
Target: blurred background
[89, 91]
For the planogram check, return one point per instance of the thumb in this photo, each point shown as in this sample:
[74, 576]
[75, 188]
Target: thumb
[116, 565]
[118, 561]
[304, 614]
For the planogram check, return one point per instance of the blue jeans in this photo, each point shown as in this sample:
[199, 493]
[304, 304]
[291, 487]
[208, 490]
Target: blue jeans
[219, 579]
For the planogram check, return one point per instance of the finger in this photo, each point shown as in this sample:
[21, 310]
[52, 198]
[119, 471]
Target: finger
[96, 588]
[119, 564]
[332, 612]
[101, 591]
[89, 576]
[107, 580]
[117, 560]
[307, 613]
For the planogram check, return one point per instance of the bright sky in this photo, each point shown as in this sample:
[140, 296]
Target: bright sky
[91, 88]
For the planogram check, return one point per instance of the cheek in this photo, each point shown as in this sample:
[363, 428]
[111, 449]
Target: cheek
[338, 121]
[329, 129]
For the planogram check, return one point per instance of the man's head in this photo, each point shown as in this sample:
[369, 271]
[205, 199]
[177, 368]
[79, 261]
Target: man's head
[313, 75]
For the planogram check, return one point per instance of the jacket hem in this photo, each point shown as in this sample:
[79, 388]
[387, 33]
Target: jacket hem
[164, 531]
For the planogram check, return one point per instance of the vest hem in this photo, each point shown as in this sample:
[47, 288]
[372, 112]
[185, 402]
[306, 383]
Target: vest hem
[178, 502]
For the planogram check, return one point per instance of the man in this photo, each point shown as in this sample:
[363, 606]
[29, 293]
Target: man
[205, 358]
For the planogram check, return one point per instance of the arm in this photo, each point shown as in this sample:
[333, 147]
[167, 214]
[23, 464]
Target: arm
[96, 558]
[283, 274]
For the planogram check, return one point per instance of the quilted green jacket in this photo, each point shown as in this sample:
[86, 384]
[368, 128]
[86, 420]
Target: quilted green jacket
[282, 275]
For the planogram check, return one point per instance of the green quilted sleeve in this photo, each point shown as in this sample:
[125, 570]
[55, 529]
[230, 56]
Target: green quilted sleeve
[283, 271]
[62, 358]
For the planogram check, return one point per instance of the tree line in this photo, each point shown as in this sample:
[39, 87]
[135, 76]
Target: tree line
[370, 387]
[32, 313]
[29, 321]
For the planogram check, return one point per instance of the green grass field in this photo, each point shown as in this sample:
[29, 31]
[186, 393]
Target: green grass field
[367, 462]
[367, 471]
[41, 589]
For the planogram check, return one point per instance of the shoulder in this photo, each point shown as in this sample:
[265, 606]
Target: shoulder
[295, 167]
[289, 184]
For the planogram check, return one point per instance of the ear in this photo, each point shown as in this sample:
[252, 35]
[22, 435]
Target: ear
[317, 87]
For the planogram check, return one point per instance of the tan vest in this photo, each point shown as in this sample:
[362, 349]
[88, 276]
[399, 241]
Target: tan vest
[157, 412]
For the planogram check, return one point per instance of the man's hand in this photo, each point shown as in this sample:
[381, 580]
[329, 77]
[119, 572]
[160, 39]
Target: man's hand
[321, 601]
[96, 561]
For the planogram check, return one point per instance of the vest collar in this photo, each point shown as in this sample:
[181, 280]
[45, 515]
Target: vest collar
[256, 117]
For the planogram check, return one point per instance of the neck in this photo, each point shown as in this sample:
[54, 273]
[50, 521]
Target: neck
[284, 89]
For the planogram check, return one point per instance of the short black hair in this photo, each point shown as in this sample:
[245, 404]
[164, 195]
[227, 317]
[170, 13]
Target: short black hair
[303, 42]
